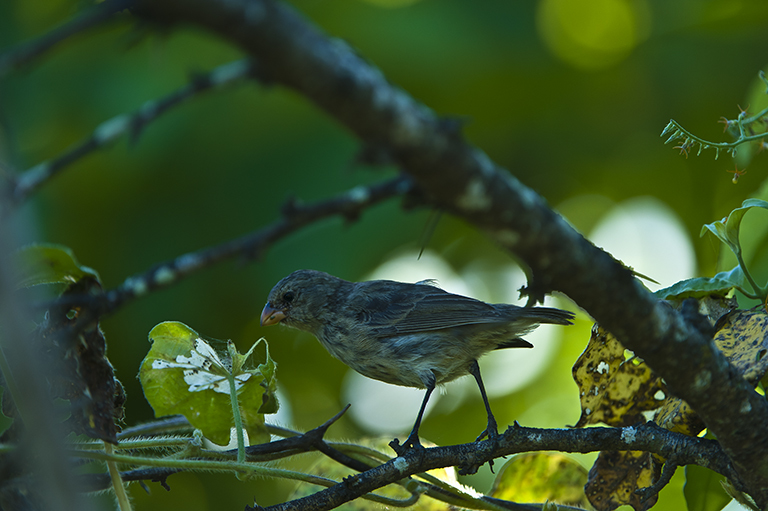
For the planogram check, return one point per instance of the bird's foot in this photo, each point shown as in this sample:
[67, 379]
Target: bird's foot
[412, 442]
[492, 434]
[493, 437]
[491, 431]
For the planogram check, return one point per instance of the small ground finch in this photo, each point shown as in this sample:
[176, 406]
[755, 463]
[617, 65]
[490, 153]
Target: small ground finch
[414, 335]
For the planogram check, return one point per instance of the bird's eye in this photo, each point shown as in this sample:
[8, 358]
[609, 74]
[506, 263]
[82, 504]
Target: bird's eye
[288, 297]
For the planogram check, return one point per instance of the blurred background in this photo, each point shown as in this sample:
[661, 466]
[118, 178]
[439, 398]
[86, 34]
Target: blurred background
[569, 95]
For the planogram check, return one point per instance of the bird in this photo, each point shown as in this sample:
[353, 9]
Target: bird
[407, 334]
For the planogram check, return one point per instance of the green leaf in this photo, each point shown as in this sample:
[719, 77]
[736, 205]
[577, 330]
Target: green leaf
[735, 277]
[46, 263]
[727, 229]
[699, 287]
[718, 229]
[541, 476]
[703, 491]
[186, 374]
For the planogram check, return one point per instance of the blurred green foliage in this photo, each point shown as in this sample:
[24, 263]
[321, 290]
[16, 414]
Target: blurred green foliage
[222, 165]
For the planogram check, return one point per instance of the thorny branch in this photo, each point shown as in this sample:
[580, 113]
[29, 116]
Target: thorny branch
[682, 449]
[647, 437]
[293, 444]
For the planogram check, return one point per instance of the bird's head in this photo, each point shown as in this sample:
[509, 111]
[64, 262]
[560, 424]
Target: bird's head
[298, 300]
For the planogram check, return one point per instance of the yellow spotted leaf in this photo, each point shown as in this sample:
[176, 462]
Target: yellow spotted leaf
[614, 389]
[743, 339]
[675, 415]
[616, 475]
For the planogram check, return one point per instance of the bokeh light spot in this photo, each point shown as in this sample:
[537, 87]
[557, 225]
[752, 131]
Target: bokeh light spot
[407, 266]
[381, 408]
[592, 34]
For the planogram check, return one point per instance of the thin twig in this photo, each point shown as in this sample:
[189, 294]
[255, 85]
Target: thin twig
[349, 204]
[131, 124]
[25, 52]
[666, 476]
[165, 425]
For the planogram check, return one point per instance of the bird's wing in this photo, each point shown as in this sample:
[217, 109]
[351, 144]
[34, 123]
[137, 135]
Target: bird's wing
[408, 308]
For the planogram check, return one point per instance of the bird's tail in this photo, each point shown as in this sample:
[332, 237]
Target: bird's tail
[548, 315]
[528, 318]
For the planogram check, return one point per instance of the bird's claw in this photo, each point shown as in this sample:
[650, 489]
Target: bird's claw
[491, 434]
[491, 431]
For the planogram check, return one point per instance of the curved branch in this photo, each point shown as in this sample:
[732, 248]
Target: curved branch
[24, 184]
[19, 55]
[464, 181]
[349, 204]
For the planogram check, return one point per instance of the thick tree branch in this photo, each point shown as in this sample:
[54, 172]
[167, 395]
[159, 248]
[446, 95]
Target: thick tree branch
[463, 180]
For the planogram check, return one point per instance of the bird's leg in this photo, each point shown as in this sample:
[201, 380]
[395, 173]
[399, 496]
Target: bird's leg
[412, 442]
[491, 431]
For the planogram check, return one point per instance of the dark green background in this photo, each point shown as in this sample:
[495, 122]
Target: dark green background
[223, 164]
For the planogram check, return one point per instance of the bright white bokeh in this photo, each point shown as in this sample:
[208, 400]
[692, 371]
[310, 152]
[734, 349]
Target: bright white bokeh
[493, 283]
[645, 234]
[407, 266]
[382, 408]
[506, 371]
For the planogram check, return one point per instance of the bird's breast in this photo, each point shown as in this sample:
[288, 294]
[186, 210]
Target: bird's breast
[409, 360]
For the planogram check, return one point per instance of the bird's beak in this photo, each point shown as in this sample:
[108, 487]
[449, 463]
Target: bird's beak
[271, 316]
